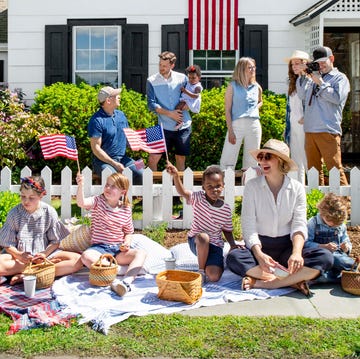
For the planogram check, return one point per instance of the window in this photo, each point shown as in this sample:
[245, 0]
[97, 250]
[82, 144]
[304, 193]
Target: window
[216, 66]
[96, 60]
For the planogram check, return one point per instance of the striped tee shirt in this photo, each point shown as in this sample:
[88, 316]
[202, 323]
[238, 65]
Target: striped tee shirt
[109, 225]
[209, 219]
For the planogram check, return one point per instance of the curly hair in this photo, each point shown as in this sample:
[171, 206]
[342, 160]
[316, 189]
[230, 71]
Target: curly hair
[333, 208]
[212, 170]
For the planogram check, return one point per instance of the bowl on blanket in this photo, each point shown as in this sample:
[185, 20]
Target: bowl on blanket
[179, 286]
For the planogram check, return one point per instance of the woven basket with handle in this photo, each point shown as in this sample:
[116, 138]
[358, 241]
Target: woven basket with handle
[179, 286]
[44, 272]
[350, 280]
[104, 271]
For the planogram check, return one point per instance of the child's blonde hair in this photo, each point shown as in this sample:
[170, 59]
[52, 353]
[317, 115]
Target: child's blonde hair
[122, 183]
[333, 208]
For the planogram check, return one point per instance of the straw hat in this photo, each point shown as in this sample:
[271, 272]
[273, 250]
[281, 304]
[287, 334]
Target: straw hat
[298, 54]
[277, 148]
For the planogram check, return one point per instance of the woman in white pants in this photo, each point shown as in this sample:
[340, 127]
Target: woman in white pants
[243, 98]
[294, 130]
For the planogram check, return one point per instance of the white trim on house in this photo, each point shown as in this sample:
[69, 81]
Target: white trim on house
[27, 20]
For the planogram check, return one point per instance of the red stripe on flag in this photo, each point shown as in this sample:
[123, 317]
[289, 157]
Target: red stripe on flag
[58, 145]
[213, 25]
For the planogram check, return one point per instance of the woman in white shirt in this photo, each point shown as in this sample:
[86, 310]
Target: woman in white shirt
[294, 130]
[274, 226]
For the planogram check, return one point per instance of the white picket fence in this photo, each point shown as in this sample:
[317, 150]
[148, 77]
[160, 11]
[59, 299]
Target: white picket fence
[157, 198]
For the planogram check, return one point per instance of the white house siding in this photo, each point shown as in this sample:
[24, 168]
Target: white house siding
[27, 20]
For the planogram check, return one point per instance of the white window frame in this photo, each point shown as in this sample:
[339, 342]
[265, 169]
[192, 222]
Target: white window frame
[119, 62]
[214, 73]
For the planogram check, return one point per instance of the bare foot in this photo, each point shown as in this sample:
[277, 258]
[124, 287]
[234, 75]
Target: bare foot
[17, 278]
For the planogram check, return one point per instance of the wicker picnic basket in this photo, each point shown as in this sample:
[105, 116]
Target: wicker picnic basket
[102, 274]
[179, 286]
[44, 272]
[350, 280]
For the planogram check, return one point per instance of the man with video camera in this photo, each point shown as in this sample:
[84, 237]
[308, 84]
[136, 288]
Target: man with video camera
[324, 90]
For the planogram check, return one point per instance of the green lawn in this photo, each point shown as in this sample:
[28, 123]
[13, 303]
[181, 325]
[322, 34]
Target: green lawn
[180, 336]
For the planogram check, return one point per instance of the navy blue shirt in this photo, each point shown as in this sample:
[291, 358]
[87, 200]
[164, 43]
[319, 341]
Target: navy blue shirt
[110, 129]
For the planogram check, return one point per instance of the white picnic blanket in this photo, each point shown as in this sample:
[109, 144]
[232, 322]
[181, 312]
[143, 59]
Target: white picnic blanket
[103, 308]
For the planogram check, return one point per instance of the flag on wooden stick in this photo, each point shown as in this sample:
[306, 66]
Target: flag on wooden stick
[58, 145]
[149, 139]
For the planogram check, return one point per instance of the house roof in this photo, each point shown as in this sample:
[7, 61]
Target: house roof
[3, 26]
[312, 11]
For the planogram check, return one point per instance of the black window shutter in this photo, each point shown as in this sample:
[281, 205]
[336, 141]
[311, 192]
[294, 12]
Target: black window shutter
[57, 64]
[174, 38]
[135, 56]
[256, 46]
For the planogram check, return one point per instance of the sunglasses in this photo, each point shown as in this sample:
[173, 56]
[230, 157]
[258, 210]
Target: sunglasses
[264, 156]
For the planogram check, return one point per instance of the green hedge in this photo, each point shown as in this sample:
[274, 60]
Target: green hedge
[74, 105]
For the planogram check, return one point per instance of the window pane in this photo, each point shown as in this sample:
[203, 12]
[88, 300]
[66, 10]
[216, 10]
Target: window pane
[213, 53]
[199, 53]
[111, 78]
[111, 41]
[213, 65]
[201, 63]
[82, 60]
[97, 38]
[82, 38]
[228, 54]
[228, 64]
[97, 60]
[111, 60]
[82, 77]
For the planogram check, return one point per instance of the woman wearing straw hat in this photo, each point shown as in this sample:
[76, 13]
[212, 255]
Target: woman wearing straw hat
[294, 130]
[273, 221]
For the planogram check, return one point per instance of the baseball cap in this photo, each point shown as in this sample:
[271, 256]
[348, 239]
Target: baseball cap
[322, 53]
[107, 92]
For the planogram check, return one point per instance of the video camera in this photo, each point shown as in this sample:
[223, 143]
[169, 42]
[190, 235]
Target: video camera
[311, 67]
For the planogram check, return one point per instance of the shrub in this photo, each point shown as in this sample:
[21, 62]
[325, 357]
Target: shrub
[312, 199]
[8, 200]
[156, 232]
[20, 130]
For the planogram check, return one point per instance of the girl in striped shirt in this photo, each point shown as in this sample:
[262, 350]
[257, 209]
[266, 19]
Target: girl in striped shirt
[31, 233]
[112, 228]
[212, 218]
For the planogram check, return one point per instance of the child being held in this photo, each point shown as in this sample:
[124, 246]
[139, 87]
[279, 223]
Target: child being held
[328, 230]
[191, 93]
[112, 228]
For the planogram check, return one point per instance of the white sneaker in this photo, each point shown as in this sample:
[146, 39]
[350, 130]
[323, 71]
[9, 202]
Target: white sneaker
[120, 287]
[2, 279]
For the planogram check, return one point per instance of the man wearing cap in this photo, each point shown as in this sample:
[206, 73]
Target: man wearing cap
[324, 93]
[163, 91]
[107, 137]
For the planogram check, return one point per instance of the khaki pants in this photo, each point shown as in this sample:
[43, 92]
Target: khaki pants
[324, 146]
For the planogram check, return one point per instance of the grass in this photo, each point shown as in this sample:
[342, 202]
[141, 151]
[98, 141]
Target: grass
[180, 336]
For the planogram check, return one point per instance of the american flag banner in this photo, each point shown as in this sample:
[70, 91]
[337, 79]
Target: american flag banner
[213, 25]
[149, 139]
[58, 145]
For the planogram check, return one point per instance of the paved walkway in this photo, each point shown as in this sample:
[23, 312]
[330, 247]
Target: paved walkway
[327, 302]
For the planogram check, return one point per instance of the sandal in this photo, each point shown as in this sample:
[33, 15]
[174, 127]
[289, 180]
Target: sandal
[303, 287]
[248, 283]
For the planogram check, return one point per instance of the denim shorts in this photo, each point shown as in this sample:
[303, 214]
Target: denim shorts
[112, 249]
[215, 257]
[178, 140]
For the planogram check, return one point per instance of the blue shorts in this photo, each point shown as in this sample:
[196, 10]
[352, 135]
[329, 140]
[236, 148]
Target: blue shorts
[215, 257]
[178, 140]
[112, 249]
